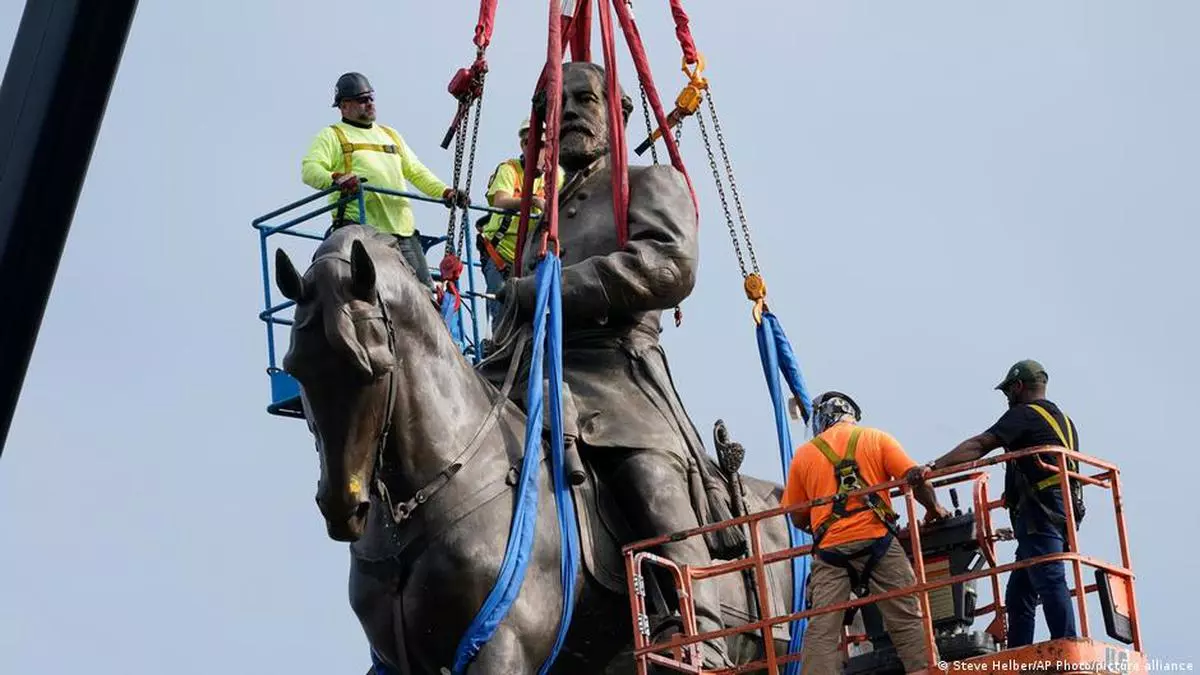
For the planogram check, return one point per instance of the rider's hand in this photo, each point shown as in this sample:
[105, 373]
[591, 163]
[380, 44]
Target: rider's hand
[346, 182]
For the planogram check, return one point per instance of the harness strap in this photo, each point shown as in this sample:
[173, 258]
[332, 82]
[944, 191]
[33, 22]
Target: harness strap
[1068, 441]
[860, 582]
[497, 259]
[404, 511]
[823, 446]
[849, 479]
[348, 148]
[507, 220]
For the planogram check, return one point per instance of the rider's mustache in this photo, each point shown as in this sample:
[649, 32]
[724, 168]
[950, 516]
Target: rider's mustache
[578, 128]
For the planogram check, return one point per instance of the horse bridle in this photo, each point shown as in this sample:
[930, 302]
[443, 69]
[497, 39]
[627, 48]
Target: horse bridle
[403, 511]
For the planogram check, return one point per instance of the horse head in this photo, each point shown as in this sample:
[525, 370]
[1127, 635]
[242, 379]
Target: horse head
[358, 308]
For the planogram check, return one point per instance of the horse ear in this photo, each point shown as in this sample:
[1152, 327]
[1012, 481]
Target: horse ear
[362, 272]
[290, 283]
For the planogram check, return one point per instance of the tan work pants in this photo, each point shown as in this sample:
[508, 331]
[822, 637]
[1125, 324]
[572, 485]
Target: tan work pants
[829, 584]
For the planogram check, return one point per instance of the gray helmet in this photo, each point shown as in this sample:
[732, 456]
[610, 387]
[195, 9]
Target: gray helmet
[349, 86]
[831, 407]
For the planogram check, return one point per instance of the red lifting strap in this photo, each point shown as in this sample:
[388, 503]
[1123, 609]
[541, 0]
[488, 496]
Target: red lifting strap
[618, 155]
[634, 39]
[487, 21]
[684, 32]
[551, 80]
[554, 58]
[581, 37]
[569, 27]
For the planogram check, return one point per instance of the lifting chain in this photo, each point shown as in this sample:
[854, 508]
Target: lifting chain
[650, 126]
[459, 143]
[455, 236]
[712, 163]
[466, 220]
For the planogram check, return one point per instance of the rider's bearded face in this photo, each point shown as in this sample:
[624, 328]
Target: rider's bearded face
[584, 130]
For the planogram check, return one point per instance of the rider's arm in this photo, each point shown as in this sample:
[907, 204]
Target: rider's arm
[655, 270]
[318, 165]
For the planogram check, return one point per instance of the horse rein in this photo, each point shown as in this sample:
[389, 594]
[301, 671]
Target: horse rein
[404, 511]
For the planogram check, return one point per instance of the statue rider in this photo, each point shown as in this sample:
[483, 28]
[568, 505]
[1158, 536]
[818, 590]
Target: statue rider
[632, 426]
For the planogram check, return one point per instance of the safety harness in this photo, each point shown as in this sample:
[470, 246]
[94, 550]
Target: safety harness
[490, 244]
[348, 150]
[849, 479]
[1028, 490]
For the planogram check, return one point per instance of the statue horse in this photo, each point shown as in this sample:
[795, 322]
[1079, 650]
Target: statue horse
[417, 460]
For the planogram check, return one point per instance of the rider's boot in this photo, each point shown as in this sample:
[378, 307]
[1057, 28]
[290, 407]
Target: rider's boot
[653, 490]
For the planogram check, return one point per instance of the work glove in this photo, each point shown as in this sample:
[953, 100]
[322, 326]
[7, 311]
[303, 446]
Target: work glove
[452, 196]
[346, 182]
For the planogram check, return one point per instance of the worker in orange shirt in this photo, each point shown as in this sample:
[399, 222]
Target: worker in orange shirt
[854, 542]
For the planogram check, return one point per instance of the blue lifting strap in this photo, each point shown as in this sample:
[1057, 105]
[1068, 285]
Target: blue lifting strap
[777, 356]
[520, 541]
[450, 315]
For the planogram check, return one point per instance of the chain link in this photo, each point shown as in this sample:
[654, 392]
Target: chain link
[649, 124]
[459, 146]
[737, 199]
[456, 236]
[712, 163]
[466, 220]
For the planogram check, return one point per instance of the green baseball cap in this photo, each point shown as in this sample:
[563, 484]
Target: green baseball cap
[1023, 371]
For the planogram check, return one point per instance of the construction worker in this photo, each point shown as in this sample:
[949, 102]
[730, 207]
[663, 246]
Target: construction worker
[854, 539]
[358, 148]
[498, 233]
[1033, 496]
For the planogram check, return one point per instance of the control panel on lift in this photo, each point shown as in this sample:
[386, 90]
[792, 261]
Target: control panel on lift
[950, 547]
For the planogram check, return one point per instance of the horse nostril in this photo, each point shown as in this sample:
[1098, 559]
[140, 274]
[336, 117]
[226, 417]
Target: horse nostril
[360, 511]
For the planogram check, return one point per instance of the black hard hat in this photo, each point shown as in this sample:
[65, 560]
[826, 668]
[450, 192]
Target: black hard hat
[349, 86]
[829, 396]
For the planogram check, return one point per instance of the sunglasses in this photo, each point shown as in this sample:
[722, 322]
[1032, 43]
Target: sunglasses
[364, 99]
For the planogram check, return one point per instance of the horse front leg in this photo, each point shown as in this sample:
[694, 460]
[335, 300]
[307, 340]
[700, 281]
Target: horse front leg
[376, 604]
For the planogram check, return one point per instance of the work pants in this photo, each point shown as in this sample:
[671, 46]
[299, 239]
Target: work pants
[829, 584]
[494, 280]
[1037, 536]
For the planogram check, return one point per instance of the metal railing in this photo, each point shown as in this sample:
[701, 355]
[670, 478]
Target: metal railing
[683, 648]
[284, 390]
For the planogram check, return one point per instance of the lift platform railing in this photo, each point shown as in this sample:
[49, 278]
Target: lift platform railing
[1115, 583]
[285, 392]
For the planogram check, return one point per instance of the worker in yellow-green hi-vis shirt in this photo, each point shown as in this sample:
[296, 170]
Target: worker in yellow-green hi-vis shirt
[359, 148]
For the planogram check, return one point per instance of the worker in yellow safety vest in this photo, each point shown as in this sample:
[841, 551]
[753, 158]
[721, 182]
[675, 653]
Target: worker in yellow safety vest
[358, 148]
[497, 240]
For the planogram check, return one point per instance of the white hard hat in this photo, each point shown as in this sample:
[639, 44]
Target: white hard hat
[524, 126]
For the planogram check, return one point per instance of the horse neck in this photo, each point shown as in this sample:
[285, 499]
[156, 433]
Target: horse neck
[440, 404]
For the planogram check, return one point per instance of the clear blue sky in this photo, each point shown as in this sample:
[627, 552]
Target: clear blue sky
[938, 189]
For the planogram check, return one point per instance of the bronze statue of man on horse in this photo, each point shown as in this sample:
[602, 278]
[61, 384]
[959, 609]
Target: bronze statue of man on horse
[418, 449]
[632, 426]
